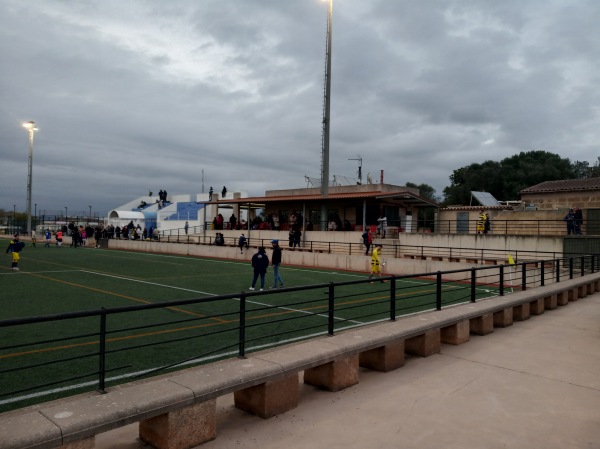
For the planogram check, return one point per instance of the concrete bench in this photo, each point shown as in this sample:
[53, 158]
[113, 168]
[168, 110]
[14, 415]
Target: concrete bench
[178, 410]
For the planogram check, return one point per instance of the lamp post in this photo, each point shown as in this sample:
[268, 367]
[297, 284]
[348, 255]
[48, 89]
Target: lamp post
[90, 215]
[14, 216]
[66, 214]
[31, 128]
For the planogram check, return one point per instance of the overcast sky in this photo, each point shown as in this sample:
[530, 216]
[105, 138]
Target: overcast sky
[131, 96]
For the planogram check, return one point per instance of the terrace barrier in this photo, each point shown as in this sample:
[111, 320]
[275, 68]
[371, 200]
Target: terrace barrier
[178, 409]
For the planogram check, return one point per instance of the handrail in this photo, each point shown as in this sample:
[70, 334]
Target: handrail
[238, 323]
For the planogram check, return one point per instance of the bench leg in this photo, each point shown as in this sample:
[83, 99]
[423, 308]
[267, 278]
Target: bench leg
[482, 325]
[386, 358]
[537, 307]
[562, 298]
[334, 376]
[457, 333]
[503, 318]
[573, 295]
[183, 428]
[521, 312]
[269, 399]
[424, 345]
[551, 302]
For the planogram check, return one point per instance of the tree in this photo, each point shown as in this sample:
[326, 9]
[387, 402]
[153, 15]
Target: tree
[505, 179]
[425, 190]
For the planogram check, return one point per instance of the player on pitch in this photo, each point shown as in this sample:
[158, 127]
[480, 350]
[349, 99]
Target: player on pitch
[376, 262]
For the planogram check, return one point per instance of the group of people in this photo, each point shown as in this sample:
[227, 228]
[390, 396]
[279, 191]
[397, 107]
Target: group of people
[162, 198]
[574, 219]
[260, 263]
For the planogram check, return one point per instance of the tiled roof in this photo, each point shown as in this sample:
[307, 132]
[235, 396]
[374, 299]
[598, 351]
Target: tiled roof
[564, 185]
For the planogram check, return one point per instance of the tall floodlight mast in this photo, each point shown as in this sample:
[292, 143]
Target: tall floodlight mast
[31, 128]
[326, 121]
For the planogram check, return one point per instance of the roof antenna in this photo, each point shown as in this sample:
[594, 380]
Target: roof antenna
[359, 172]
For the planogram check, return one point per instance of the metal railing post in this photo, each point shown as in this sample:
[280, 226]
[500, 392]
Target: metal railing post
[571, 268]
[438, 291]
[524, 276]
[582, 266]
[473, 278]
[393, 299]
[102, 353]
[242, 330]
[557, 270]
[331, 308]
[542, 273]
[501, 280]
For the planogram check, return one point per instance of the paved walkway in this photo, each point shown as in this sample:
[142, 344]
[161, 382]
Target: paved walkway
[535, 384]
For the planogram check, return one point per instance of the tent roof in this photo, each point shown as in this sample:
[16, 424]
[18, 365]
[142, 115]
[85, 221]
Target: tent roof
[126, 215]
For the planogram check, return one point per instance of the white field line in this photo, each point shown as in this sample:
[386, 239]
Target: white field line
[212, 294]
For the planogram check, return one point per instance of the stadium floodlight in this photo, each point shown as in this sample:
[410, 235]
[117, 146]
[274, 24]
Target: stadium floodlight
[31, 128]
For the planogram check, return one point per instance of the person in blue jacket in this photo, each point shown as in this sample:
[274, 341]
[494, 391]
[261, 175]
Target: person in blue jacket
[15, 247]
[260, 262]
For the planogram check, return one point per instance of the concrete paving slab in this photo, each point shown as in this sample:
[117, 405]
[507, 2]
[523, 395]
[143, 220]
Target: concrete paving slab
[532, 385]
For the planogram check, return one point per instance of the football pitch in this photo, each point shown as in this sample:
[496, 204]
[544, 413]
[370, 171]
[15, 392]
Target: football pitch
[54, 358]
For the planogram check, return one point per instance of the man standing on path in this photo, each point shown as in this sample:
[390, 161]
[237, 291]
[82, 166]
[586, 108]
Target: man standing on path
[276, 262]
[260, 262]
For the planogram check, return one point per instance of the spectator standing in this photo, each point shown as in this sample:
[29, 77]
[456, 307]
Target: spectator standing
[570, 219]
[276, 262]
[186, 227]
[481, 222]
[224, 192]
[98, 235]
[232, 222]
[260, 262]
[486, 224]
[297, 236]
[367, 241]
[382, 225]
[15, 246]
[210, 193]
[242, 242]
[33, 237]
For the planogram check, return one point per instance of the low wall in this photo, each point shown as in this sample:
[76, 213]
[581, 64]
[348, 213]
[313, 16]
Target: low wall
[404, 265]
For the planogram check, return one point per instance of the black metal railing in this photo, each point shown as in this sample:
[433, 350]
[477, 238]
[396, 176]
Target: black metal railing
[46, 357]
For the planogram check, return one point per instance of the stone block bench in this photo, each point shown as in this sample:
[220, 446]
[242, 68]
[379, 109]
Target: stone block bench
[178, 410]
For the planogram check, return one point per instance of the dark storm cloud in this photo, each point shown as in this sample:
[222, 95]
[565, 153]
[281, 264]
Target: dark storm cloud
[132, 96]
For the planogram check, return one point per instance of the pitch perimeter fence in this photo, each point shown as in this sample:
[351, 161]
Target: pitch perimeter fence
[47, 357]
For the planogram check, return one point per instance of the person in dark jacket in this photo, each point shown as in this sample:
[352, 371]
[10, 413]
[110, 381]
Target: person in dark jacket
[15, 247]
[242, 242]
[260, 262]
[276, 262]
[570, 219]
